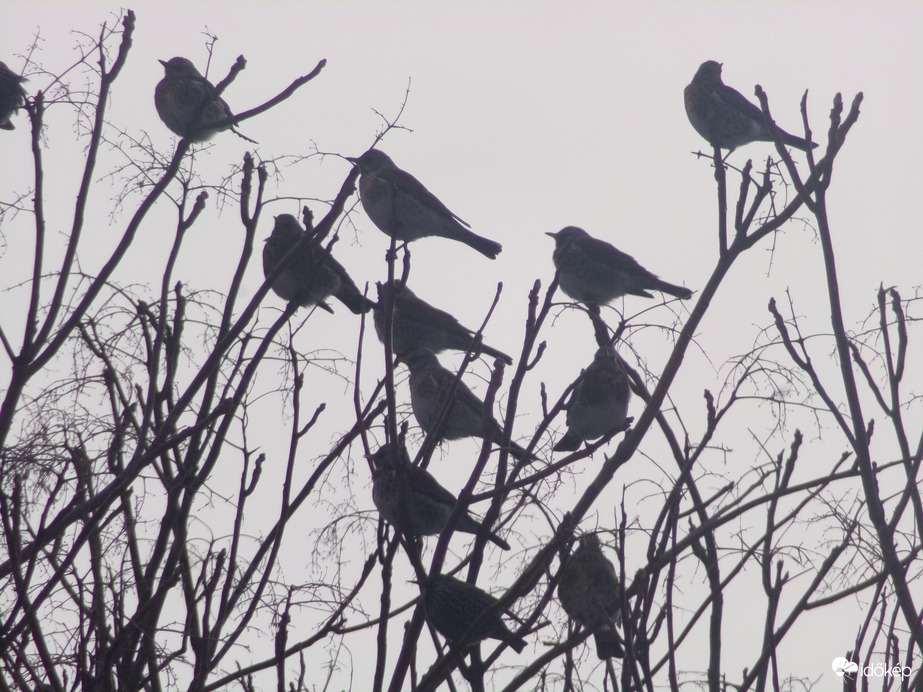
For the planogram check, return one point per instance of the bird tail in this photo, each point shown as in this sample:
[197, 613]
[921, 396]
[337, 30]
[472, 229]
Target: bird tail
[357, 303]
[485, 246]
[797, 142]
[674, 290]
[608, 644]
[569, 443]
[494, 538]
[494, 353]
[516, 643]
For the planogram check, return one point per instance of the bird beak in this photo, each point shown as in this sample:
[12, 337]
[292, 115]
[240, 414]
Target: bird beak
[353, 160]
[553, 235]
[162, 62]
[370, 457]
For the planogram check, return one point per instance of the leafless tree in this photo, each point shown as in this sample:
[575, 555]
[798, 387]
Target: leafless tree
[146, 533]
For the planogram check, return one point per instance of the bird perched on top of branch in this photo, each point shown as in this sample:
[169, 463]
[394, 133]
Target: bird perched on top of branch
[409, 498]
[724, 117]
[313, 275]
[401, 207]
[452, 606]
[419, 325]
[186, 102]
[12, 95]
[593, 271]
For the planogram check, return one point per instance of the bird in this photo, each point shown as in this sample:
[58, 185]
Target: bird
[599, 403]
[451, 607]
[419, 325]
[724, 117]
[311, 277]
[410, 499]
[429, 386]
[589, 592]
[186, 101]
[401, 207]
[12, 96]
[593, 271]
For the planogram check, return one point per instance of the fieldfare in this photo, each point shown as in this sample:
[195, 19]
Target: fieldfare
[590, 594]
[313, 275]
[724, 117]
[599, 403]
[410, 499]
[593, 271]
[186, 101]
[452, 606]
[404, 209]
[430, 384]
[12, 96]
[417, 325]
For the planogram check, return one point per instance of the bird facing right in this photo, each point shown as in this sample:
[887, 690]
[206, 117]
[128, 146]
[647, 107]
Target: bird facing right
[401, 206]
[313, 275]
[599, 403]
[590, 594]
[594, 272]
[419, 325]
[452, 606]
[410, 499]
[724, 117]
[12, 96]
[430, 384]
[186, 101]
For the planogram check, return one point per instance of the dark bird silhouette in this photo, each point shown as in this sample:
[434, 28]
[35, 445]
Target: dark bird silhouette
[590, 594]
[417, 325]
[724, 117]
[12, 96]
[452, 606]
[186, 101]
[409, 498]
[599, 403]
[430, 384]
[312, 276]
[593, 271]
[401, 207]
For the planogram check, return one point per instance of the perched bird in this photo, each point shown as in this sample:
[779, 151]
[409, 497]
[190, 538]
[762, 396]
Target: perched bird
[600, 401]
[724, 117]
[429, 386]
[12, 96]
[404, 209]
[452, 606]
[312, 276]
[419, 325]
[186, 101]
[589, 592]
[412, 500]
[593, 271]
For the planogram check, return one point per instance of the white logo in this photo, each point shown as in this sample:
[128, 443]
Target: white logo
[841, 666]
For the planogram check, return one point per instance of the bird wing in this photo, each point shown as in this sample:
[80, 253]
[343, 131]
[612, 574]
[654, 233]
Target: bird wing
[406, 184]
[424, 483]
[735, 99]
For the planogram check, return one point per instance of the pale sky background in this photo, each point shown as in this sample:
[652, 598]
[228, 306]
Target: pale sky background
[525, 117]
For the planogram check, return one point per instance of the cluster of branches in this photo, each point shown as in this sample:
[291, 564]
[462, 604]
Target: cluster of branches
[109, 583]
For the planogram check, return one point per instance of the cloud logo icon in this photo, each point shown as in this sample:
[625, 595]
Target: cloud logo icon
[841, 666]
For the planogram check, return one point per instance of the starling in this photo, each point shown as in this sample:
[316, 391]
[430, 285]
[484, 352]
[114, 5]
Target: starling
[401, 207]
[452, 606]
[417, 325]
[312, 276]
[589, 592]
[12, 96]
[186, 101]
[593, 271]
[600, 401]
[430, 384]
[409, 498]
[724, 117]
